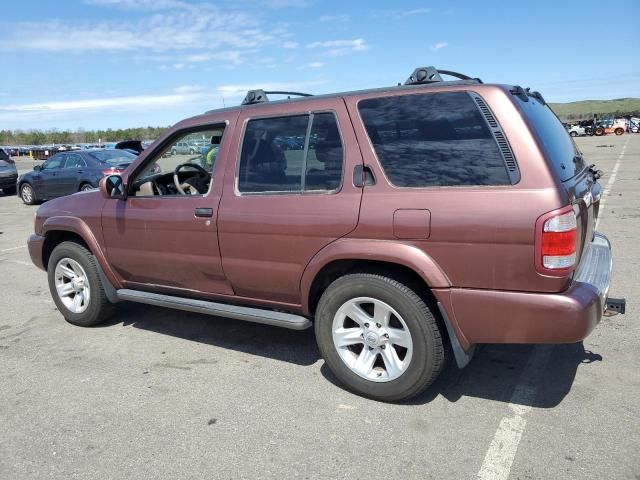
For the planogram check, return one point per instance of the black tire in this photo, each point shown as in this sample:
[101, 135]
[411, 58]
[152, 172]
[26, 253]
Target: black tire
[428, 356]
[86, 186]
[9, 191]
[24, 195]
[174, 152]
[99, 308]
[599, 131]
[619, 131]
[573, 134]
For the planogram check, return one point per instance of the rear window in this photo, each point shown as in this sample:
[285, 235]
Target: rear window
[3, 155]
[113, 157]
[560, 149]
[435, 139]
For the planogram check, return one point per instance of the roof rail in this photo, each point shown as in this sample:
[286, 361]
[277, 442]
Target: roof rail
[424, 75]
[260, 96]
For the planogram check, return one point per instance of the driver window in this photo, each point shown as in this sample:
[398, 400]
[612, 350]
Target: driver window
[183, 167]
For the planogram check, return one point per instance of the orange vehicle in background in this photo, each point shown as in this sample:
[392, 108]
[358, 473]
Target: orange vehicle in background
[609, 126]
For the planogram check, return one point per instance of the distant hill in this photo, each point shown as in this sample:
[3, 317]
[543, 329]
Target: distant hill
[587, 108]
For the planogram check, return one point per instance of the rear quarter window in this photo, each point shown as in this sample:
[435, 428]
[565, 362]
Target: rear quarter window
[559, 148]
[433, 139]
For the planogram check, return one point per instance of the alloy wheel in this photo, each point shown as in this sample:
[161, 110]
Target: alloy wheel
[72, 285]
[27, 193]
[372, 339]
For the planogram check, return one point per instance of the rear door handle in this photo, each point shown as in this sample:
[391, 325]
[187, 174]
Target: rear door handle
[204, 212]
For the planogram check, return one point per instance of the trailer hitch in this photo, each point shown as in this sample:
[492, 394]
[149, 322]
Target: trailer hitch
[614, 306]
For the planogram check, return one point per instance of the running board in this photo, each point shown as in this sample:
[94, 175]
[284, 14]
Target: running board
[256, 315]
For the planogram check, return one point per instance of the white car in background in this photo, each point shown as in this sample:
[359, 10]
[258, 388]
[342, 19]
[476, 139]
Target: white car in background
[577, 131]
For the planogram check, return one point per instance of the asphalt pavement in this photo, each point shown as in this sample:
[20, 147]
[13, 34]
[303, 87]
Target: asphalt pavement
[159, 393]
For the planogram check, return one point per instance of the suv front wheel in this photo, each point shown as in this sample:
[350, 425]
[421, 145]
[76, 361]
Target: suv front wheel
[378, 337]
[75, 285]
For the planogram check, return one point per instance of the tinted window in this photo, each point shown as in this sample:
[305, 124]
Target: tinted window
[74, 161]
[3, 155]
[325, 154]
[273, 155]
[565, 158]
[113, 157]
[435, 139]
[53, 162]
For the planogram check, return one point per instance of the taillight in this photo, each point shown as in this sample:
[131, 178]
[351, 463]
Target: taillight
[557, 242]
[111, 171]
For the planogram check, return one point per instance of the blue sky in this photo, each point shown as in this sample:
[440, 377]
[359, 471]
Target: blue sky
[126, 63]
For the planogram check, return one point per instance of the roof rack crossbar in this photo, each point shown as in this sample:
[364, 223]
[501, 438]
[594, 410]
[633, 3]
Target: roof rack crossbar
[260, 96]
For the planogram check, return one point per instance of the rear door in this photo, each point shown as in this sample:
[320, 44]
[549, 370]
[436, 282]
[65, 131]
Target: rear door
[290, 194]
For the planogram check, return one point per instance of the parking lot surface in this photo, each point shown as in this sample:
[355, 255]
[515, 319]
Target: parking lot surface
[159, 393]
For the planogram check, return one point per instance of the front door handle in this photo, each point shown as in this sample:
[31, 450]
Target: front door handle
[204, 212]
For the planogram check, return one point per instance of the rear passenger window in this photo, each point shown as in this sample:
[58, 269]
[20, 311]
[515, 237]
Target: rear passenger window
[297, 154]
[438, 139]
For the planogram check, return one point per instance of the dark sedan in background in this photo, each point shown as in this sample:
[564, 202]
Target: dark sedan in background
[8, 174]
[69, 172]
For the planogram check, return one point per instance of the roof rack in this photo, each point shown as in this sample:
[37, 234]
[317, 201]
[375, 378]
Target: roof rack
[260, 96]
[423, 75]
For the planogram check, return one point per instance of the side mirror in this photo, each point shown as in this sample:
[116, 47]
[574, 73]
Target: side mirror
[37, 168]
[113, 187]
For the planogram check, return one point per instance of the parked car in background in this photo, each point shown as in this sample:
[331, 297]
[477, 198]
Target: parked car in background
[8, 173]
[577, 131]
[69, 172]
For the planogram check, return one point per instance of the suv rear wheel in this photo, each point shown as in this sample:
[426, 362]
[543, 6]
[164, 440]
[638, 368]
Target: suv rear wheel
[378, 337]
[75, 285]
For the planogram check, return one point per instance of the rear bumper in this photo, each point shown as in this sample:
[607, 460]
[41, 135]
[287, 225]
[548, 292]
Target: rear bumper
[486, 316]
[35, 244]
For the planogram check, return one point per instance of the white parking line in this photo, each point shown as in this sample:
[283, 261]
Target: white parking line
[504, 445]
[612, 178]
[13, 248]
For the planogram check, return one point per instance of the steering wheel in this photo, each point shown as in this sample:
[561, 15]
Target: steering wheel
[185, 187]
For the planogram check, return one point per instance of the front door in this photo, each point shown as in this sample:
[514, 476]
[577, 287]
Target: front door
[164, 236]
[47, 180]
[69, 175]
[291, 195]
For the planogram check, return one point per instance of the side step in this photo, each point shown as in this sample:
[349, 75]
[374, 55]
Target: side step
[257, 315]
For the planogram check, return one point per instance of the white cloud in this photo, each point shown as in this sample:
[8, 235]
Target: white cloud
[439, 46]
[242, 89]
[415, 11]
[201, 30]
[315, 65]
[336, 48]
[334, 18]
[290, 45]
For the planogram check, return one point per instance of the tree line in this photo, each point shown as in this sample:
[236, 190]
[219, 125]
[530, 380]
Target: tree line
[71, 137]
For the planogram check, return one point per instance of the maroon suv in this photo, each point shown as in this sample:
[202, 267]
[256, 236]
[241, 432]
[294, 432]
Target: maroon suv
[403, 222]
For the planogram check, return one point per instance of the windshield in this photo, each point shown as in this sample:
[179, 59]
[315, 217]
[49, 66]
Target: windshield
[560, 149]
[113, 157]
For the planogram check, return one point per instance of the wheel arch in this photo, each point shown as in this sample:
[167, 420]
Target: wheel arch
[348, 255]
[60, 229]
